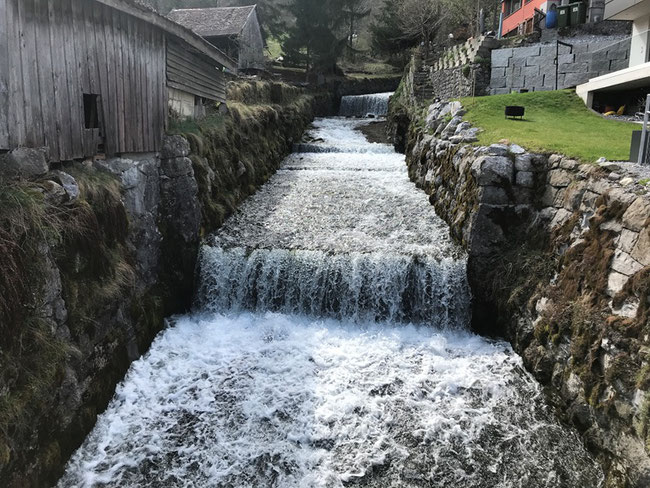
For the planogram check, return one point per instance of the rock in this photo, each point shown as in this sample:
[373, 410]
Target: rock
[241, 169]
[455, 107]
[450, 129]
[615, 282]
[626, 181]
[636, 214]
[456, 139]
[53, 192]
[69, 185]
[516, 149]
[498, 150]
[569, 164]
[525, 179]
[493, 195]
[614, 176]
[555, 159]
[559, 178]
[625, 264]
[560, 218]
[627, 240]
[641, 251]
[524, 162]
[463, 126]
[24, 162]
[601, 160]
[493, 170]
[174, 147]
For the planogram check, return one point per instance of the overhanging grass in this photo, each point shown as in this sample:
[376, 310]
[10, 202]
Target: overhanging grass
[555, 121]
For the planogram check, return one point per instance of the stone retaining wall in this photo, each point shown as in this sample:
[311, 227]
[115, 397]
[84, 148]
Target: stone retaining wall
[533, 67]
[559, 264]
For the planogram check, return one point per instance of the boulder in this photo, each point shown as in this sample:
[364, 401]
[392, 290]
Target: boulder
[69, 184]
[493, 170]
[24, 162]
[175, 147]
[516, 149]
[637, 214]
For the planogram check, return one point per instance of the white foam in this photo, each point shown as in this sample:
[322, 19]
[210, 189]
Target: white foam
[285, 401]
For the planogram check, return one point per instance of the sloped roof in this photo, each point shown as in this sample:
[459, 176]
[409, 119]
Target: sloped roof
[209, 22]
[141, 10]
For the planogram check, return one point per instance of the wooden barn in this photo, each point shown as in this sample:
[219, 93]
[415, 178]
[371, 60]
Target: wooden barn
[83, 77]
[234, 30]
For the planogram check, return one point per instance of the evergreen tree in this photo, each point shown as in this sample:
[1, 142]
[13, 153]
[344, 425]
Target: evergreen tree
[311, 41]
[388, 36]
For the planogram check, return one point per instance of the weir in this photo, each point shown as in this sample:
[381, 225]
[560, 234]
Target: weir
[329, 347]
[375, 105]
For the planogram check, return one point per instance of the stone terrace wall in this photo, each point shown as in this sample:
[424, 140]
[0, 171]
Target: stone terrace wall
[533, 67]
[559, 264]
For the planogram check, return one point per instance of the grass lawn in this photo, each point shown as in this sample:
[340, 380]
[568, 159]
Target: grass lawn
[555, 121]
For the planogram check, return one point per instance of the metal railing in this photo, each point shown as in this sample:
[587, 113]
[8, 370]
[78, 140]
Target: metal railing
[643, 147]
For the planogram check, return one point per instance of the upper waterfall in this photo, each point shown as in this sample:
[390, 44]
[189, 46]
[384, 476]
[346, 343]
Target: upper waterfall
[375, 105]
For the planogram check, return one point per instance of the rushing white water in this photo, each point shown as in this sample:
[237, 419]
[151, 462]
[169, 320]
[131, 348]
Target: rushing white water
[364, 105]
[330, 348]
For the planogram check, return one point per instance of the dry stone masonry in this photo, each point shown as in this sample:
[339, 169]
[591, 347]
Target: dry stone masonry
[559, 264]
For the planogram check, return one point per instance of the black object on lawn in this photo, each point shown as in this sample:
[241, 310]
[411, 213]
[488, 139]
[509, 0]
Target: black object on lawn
[515, 111]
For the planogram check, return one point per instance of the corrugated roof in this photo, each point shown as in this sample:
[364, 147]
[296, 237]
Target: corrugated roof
[209, 22]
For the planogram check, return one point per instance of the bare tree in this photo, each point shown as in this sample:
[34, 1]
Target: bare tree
[421, 18]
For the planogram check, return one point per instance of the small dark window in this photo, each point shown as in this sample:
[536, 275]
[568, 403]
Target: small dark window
[91, 111]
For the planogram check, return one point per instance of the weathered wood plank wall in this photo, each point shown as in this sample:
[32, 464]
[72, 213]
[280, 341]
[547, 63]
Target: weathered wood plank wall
[52, 52]
[187, 71]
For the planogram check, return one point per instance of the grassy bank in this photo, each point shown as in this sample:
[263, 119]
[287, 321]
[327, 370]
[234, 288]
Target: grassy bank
[555, 121]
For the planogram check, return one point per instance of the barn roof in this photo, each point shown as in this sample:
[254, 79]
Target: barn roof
[140, 10]
[213, 22]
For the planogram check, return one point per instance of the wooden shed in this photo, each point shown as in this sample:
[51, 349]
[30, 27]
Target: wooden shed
[234, 30]
[82, 77]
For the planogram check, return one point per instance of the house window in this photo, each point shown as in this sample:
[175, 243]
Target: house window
[91, 111]
[511, 6]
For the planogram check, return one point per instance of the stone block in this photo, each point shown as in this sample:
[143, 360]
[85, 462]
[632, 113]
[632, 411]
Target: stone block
[616, 54]
[618, 64]
[525, 179]
[24, 162]
[573, 79]
[625, 264]
[548, 199]
[534, 82]
[518, 62]
[174, 147]
[530, 71]
[583, 58]
[493, 195]
[500, 91]
[535, 61]
[496, 83]
[641, 251]
[637, 214]
[547, 51]
[574, 67]
[580, 47]
[600, 64]
[501, 57]
[615, 282]
[627, 240]
[497, 72]
[566, 59]
[526, 52]
[559, 178]
[493, 170]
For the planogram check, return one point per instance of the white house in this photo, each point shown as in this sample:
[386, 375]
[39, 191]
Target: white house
[637, 75]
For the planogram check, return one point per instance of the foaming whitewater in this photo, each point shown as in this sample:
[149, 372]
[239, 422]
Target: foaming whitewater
[329, 348]
[364, 105]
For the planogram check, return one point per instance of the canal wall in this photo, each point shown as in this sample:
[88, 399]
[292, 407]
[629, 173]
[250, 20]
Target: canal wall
[96, 253]
[559, 265]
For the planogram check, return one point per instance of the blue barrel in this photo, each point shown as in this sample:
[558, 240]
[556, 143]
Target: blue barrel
[551, 19]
